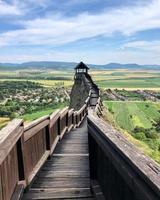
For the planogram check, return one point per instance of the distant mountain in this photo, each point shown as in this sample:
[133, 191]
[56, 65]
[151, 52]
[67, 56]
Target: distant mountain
[132, 66]
[71, 65]
[38, 65]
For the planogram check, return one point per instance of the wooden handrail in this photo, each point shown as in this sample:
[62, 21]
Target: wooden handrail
[54, 117]
[23, 150]
[9, 137]
[120, 159]
[11, 158]
[34, 127]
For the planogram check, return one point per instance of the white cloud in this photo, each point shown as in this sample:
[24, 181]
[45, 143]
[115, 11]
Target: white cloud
[58, 30]
[151, 46]
[8, 9]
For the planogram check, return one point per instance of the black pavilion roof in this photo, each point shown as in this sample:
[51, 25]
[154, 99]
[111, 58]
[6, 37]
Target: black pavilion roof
[81, 65]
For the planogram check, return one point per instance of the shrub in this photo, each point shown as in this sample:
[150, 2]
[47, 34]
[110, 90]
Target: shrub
[153, 144]
[138, 129]
[110, 110]
[139, 136]
[157, 125]
[151, 134]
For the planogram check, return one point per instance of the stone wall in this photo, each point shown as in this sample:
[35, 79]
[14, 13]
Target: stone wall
[79, 91]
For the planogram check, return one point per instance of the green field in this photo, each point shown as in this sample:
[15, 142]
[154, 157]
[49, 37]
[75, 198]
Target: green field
[37, 114]
[146, 83]
[45, 83]
[118, 78]
[128, 79]
[141, 120]
[128, 115]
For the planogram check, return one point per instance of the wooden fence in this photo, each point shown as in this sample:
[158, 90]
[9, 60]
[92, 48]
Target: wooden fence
[117, 167]
[120, 170]
[23, 150]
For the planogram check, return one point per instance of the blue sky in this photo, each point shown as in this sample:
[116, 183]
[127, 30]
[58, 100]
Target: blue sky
[95, 31]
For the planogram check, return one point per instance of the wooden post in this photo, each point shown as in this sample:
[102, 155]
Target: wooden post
[48, 143]
[20, 155]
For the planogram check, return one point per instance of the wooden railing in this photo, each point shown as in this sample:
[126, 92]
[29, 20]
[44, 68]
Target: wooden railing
[23, 150]
[11, 153]
[117, 167]
[120, 170]
[36, 146]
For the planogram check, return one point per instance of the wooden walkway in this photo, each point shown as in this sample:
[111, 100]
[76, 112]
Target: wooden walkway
[66, 174]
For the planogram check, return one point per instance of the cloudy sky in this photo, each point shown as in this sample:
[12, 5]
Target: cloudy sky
[95, 31]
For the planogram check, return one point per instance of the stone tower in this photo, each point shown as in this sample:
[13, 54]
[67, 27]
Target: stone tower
[81, 87]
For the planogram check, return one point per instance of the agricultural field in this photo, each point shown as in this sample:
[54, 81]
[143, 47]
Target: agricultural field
[119, 78]
[139, 119]
[45, 78]
[53, 83]
[127, 79]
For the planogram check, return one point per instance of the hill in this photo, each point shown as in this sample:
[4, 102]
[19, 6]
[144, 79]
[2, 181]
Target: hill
[70, 65]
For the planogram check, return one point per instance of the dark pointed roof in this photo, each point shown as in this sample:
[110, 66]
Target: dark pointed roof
[81, 65]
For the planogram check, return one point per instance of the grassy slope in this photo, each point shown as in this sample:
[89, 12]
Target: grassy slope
[143, 114]
[128, 115]
[37, 114]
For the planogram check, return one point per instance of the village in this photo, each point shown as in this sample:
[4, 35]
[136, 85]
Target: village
[18, 98]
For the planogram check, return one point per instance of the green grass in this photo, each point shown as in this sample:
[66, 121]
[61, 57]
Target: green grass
[126, 116]
[104, 78]
[130, 83]
[3, 121]
[37, 114]
[45, 83]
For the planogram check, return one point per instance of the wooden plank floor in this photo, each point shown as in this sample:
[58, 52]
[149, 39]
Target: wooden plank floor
[66, 174]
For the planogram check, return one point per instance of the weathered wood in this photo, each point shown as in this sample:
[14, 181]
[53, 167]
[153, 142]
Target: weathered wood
[121, 163]
[66, 182]
[9, 169]
[54, 117]
[96, 189]
[37, 167]
[36, 146]
[24, 150]
[58, 174]
[18, 193]
[9, 137]
[70, 122]
[1, 192]
[63, 122]
[58, 194]
[54, 130]
[9, 174]
[35, 127]
[66, 171]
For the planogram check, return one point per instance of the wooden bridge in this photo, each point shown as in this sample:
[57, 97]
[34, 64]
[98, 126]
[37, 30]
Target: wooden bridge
[74, 155]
